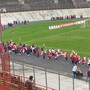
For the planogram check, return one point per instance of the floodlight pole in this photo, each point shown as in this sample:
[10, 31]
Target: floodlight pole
[0, 34]
[0, 30]
[1, 11]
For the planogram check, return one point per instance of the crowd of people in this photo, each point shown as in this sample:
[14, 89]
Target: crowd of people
[15, 23]
[62, 17]
[65, 17]
[48, 54]
[77, 73]
[45, 54]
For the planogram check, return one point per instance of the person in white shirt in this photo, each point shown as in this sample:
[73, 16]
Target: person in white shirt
[74, 70]
[88, 62]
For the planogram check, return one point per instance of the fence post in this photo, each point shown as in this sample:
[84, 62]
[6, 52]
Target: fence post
[13, 67]
[59, 79]
[46, 78]
[34, 75]
[23, 71]
[89, 83]
[73, 84]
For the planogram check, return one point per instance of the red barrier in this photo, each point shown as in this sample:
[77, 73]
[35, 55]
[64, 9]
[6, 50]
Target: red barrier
[11, 82]
[3, 88]
[5, 61]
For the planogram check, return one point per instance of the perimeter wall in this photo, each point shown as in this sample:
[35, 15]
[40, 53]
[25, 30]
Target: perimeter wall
[42, 15]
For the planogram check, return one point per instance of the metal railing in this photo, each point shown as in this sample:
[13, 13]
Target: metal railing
[47, 79]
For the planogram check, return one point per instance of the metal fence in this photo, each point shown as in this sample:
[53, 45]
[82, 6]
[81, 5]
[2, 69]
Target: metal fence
[47, 79]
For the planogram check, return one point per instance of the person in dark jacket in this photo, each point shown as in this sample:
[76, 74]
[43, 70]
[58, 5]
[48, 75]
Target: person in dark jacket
[88, 75]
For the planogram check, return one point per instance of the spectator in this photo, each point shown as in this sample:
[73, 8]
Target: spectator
[5, 48]
[88, 75]
[79, 73]
[88, 62]
[38, 52]
[49, 55]
[43, 54]
[83, 60]
[74, 70]
[0, 48]
[29, 83]
[66, 55]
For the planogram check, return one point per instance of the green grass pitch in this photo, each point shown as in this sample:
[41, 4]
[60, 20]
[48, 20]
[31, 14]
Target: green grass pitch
[67, 38]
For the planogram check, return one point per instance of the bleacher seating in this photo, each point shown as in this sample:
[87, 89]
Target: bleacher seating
[82, 4]
[28, 5]
[40, 4]
[65, 4]
[11, 5]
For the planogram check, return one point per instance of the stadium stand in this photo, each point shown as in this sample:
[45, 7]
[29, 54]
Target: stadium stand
[42, 15]
[38, 4]
[11, 6]
[82, 3]
[29, 5]
[63, 4]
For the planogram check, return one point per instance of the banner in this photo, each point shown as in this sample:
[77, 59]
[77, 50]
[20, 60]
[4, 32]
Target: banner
[66, 25]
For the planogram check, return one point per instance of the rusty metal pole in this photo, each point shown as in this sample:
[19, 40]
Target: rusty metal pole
[1, 45]
[0, 33]
[0, 30]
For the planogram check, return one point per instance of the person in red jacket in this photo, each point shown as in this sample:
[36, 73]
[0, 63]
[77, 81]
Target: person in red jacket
[49, 55]
[38, 52]
[73, 58]
[66, 55]
[0, 48]
[83, 60]
[76, 59]
[43, 54]
[55, 55]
